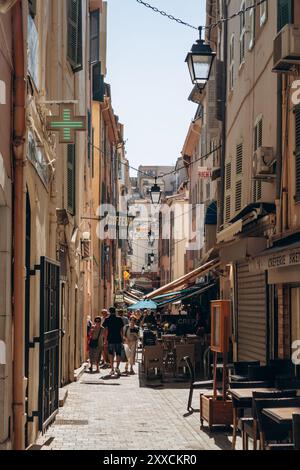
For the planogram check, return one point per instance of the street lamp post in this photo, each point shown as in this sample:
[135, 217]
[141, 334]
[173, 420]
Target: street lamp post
[200, 60]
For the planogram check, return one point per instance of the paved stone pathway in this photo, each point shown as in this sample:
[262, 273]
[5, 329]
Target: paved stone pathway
[124, 414]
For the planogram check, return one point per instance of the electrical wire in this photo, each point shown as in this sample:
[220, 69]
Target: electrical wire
[187, 165]
[207, 28]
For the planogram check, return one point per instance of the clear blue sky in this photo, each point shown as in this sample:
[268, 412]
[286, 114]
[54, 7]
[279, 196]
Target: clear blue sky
[149, 78]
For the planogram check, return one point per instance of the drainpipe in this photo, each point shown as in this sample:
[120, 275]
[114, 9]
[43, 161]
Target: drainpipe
[279, 156]
[19, 96]
[223, 149]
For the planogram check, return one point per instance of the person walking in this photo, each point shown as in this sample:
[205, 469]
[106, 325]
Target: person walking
[96, 344]
[105, 364]
[113, 336]
[131, 336]
[124, 317]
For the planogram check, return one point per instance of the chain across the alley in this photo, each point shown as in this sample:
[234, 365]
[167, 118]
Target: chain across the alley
[211, 26]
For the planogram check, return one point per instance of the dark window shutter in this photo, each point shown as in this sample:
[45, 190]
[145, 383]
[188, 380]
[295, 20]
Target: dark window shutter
[285, 9]
[32, 7]
[220, 84]
[71, 174]
[94, 35]
[297, 153]
[89, 137]
[98, 83]
[74, 51]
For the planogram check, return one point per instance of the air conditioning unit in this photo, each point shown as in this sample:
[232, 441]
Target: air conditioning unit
[286, 49]
[263, 163]
[6, 5]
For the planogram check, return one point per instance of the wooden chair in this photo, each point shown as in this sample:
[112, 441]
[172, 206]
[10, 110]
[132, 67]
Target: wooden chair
[182, 351]
[248, 426]
[206, 384]
[268, 430]
[296, 437]
[153, 360]
[240, 370]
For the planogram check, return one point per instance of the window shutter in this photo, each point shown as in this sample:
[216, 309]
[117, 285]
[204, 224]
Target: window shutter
[227, 208]
[297, 152]
[239, 159]
[94, 35]
[32, 7]
[228, 176]
[238, 195]
[71, 173]
[74, 51]
[98, 83]
[257, 191]
[89, 143]
[221, 92]
[285, 13]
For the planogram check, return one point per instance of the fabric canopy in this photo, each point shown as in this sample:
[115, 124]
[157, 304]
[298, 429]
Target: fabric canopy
[187, 293]
[184, 280]
[144, 304]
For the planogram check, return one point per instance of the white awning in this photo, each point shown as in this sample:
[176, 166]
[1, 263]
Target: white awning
[199, 272]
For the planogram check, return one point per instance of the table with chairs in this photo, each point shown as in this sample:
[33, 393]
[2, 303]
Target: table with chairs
[265, 400]
[167, 356]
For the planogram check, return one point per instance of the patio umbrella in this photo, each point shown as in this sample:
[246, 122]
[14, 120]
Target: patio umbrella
[144, 304]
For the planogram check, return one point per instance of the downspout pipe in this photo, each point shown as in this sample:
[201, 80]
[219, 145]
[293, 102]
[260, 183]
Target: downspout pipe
[224, 129]
[279, 155]
[19, 128]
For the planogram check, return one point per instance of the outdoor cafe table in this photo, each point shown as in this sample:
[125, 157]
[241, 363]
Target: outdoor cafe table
[281, 415]
[244, 398]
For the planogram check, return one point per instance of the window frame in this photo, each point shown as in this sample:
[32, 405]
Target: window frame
[231, 62]
[263, 13]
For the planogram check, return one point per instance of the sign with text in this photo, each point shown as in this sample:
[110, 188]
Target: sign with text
[275, 261]
[204, 172]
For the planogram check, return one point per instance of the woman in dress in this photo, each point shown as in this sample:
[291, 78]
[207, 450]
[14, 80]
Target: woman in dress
[131, 336]
[96, 343]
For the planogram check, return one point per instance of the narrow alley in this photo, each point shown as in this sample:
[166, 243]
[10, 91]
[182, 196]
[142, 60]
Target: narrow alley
[123, 414]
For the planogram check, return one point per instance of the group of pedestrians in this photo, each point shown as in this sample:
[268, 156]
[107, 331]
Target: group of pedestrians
[113, 338]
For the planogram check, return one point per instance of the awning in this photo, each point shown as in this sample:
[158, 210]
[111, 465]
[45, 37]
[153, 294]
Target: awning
[241, 249]
[186, 295]
[128, 300]
[184, 280]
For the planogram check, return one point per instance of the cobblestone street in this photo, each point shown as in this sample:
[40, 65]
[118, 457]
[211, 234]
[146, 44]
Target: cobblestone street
[123, 414]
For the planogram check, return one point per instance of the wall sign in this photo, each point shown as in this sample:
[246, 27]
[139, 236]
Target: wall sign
[204, 172]
[67, 123]
[275, 261]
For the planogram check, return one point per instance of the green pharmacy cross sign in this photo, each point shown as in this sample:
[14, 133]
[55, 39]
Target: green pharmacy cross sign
[66, 124]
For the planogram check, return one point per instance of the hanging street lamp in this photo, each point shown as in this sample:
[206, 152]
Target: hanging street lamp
[143, 270]
[200, 61]
[149, 267]
[152, 257]
[151, 237]
[155, 194]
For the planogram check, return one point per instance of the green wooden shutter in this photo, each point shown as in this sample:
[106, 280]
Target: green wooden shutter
[32, 7]
[74, 51]
[94, 36]
[297, 152]
[285, 9]
[71, 175]
[98, 83]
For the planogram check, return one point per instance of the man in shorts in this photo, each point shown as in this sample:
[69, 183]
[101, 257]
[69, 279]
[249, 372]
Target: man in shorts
[113, 336]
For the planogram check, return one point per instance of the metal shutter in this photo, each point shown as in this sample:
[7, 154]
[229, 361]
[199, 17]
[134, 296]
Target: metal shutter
[251, 315]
